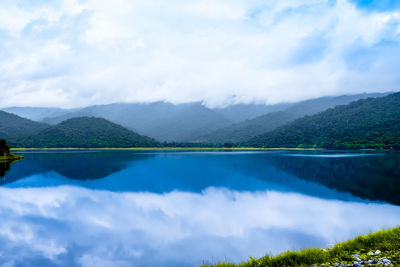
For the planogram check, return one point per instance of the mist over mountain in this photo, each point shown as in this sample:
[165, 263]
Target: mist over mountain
[160, 120]
[245, 130]
[240, 112]
[165, 121]
[366, 123]
[37, 113]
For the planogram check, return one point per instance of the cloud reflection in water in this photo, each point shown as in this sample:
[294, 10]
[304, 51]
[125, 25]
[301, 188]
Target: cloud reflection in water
[72, 226]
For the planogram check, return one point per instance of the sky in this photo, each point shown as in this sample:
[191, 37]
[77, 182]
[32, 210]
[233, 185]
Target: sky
[74, 53]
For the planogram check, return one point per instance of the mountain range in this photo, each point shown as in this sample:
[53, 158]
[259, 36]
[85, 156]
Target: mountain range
[160, 120]
[191, 122]
[371, 121]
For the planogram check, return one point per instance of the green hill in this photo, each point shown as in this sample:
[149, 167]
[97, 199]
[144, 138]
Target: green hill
[87, 132]
[366, 123]
[75, 132]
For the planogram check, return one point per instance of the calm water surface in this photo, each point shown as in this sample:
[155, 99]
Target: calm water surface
[129, 208]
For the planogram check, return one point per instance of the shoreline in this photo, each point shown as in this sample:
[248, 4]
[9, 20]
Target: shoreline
[21, 149]
[167, 148]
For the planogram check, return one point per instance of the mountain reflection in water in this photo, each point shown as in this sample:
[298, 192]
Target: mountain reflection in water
[73, 226]
[128, 208]
[367, 175]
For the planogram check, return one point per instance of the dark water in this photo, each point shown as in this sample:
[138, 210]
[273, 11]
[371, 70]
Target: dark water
[125, 208]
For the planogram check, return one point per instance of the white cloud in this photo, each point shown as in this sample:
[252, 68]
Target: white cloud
[73, 226]
[81, 53]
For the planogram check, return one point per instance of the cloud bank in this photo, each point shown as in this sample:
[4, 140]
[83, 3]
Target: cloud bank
[72, 226]
[74, 53]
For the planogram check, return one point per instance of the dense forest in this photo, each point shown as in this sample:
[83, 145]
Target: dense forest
[366, 123]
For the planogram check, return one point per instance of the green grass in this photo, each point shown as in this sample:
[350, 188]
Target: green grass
[387, 241]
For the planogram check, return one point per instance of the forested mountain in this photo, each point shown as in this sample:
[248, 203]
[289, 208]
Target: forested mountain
[160, 120]
[76, 132]
[86, 132]
[366, 123]
[248, 129]
[192, 122]
[13, 127]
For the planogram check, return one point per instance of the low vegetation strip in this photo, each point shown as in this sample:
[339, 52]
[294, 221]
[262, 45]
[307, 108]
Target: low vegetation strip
[166, 148]
[377, 249]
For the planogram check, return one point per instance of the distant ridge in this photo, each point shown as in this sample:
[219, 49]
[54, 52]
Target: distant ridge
[366, 123]
[37, 113]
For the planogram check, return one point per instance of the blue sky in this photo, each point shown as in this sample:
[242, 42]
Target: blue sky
[71, 53]
[378, 5]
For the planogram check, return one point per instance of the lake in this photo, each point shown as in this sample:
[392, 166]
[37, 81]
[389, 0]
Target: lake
[165, 208]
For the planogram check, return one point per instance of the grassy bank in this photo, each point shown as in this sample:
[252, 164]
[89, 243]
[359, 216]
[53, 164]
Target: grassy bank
[385, 244]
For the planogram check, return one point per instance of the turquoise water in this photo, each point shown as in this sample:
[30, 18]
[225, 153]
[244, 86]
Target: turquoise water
[130, 208]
